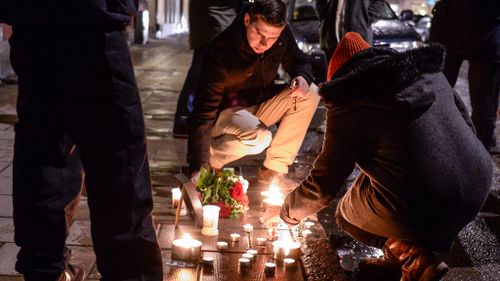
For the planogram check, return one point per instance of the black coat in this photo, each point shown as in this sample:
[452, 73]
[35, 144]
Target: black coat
[424, 173]
[469, 29]
[233, 74]
[68, 15]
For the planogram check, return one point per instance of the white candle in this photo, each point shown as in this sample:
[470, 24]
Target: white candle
[270, 268]
[208, 260]
[210, 220]
[261, 241]
[248, 256]
[186, 248]
[176, 196]
[289, 263]
[253, 252]
[306, 233]
[248, 227]
[235, 237]
[244, 262]
[283, 249]
[274, 201]
[221, 245]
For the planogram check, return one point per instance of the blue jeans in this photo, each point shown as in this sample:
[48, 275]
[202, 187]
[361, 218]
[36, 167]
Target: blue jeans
[78, 90]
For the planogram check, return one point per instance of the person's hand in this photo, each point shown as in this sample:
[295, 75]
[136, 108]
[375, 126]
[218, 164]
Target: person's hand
[194, 177]
[271, 217]
[299, 87]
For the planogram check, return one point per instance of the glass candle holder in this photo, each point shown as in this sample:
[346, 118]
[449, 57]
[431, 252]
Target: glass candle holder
[210, 220]
[176, 196]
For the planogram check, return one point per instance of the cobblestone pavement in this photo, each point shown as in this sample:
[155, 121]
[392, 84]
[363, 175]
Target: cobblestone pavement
[160, 69]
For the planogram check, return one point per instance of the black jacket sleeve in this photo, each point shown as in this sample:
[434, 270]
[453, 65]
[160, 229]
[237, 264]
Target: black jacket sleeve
[206, 105]
[295, 62]
[331, 168]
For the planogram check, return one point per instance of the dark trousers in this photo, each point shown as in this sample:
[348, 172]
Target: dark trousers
[186, 97]
[484, 85]
[77, 90]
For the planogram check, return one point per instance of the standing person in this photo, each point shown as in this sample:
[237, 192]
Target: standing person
[422, 180]
[470, 30]
[207, 19]
[340, 16]
[237, 101]
[77, 91]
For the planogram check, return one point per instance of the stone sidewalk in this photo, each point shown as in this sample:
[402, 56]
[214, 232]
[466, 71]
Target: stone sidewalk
[160, 69]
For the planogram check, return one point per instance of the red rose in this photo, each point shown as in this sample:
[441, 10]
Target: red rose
[237, 191]
[225, 209]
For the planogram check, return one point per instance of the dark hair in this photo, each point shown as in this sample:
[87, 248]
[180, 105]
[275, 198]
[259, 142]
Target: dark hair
[273, 12]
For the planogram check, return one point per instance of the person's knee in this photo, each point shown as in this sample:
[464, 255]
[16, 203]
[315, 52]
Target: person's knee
[261, 140]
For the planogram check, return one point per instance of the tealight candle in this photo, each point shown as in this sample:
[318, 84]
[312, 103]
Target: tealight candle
[248, 227]
[221, 245]
[176, 196]
[261, 241]
[210, 220]
[253, 252]
[289, 263]
[269, 269]
[284, 249]
[244, 265]
[248, 256]
[208, 260]
[235, 237]
[186, 248]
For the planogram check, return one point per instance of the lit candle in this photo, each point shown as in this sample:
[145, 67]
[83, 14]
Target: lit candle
[248, 227]
[210, 220]
[269, 269]
[186, 248]
[261, 241]
[284, 249]
[289, 263]
[176, 196]
[235, 237]
[221, 245]
[244, 265]
[273, 201]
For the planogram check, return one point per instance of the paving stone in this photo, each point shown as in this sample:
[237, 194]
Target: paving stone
[6, 230]
[8, 253]
[11, 278]
[83, 257]
[5, 186]
[6, 172]
[7, 134]
[83, 212]
[79, 234]
[6, 206]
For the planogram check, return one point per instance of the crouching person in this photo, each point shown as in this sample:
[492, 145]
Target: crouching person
[424, 174]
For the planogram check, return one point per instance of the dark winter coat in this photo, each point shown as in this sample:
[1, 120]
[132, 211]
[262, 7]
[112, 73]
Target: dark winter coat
[108, 15]
[232, 74]
[469, 29]
[208, 18]
[423, 171]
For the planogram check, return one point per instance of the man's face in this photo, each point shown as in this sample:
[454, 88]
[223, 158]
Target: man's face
[260, 35]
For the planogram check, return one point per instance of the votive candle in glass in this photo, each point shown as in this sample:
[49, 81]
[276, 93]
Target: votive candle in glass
[235, 237]
[210, 220]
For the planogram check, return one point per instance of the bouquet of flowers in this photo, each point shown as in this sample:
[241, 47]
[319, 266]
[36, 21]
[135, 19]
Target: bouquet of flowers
[224, 189]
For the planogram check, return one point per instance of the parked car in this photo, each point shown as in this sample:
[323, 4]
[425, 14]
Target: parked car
[421, 23]
[388, 30]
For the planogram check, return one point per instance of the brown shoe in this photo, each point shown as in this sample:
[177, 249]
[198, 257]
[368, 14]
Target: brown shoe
[417, 263]
[385, 268]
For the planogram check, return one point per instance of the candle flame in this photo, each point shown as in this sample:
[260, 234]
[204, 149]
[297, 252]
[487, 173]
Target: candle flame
[186, 236]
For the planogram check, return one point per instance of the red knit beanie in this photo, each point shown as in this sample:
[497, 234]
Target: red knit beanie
[350, 45]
